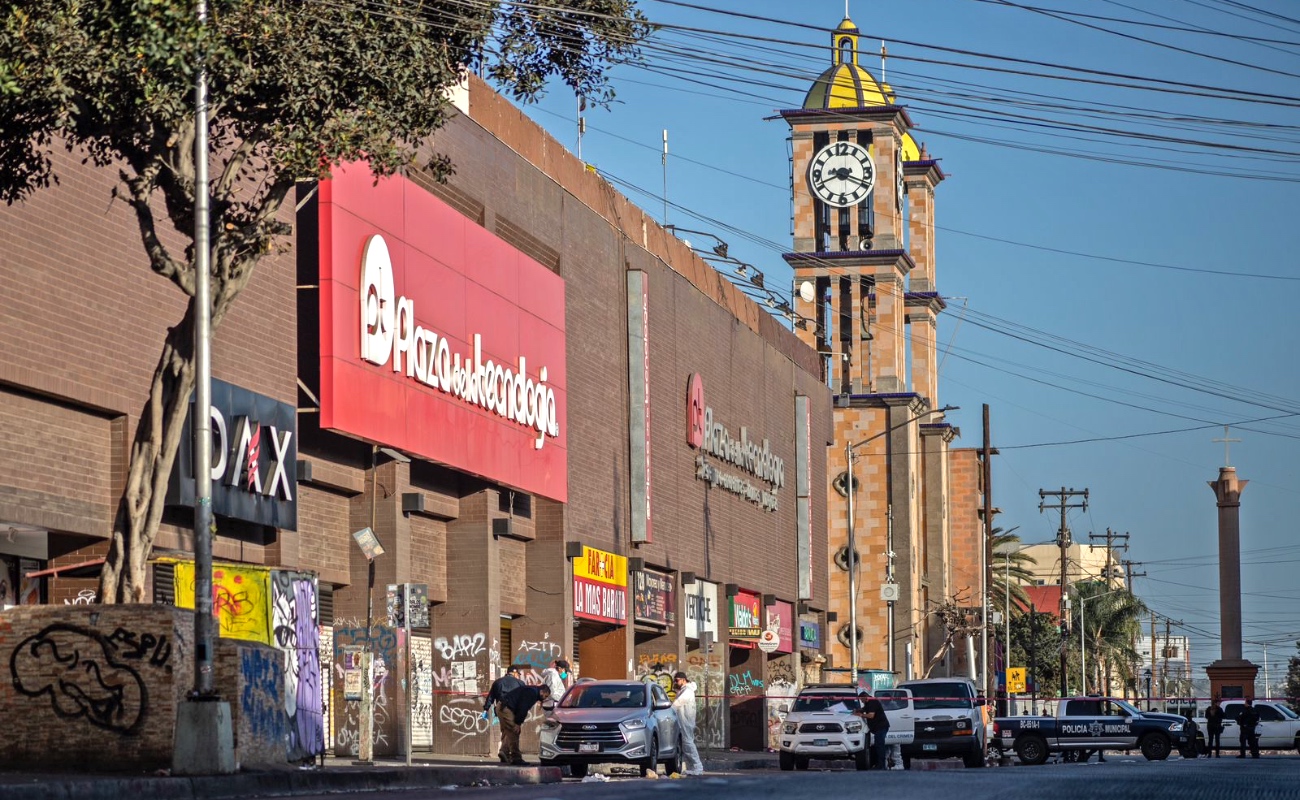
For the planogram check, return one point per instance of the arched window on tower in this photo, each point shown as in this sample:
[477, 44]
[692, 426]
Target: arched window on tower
[846, 50]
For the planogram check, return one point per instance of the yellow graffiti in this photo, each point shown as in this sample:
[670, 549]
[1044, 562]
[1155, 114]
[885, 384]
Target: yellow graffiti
[241, 599]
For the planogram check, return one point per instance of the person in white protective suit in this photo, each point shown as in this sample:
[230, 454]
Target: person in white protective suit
[684, 705]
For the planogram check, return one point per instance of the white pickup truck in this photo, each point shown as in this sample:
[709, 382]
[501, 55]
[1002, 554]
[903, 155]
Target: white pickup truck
[1279, 725]
[823, 725]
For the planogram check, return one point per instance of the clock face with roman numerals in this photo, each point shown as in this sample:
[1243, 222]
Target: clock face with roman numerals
[842, 174]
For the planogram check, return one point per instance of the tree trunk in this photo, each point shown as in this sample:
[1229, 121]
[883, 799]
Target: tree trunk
[153, 453]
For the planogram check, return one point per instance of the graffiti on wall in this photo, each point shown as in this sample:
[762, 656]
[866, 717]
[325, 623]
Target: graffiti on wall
[460, 647]
[240, 599]
[657, 668]
[296, 632]
[89, 676]
[781, 693]
[259, 700]
[383, 644]
[464, 716]
[744, 684]
[708, 676]
[537, 655]
[422, 699]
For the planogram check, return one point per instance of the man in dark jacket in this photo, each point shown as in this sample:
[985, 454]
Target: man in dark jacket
[501, 687]
[512, 712]
[1247, 722]
[878, 726]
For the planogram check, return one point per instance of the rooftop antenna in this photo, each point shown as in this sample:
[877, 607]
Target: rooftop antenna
[665, 165]
[582, 123]
[884, 54]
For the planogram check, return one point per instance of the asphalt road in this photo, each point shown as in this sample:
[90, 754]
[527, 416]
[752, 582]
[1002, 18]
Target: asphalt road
[1121, 778]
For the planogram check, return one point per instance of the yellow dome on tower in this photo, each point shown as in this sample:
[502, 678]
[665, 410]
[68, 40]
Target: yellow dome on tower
[847, 85]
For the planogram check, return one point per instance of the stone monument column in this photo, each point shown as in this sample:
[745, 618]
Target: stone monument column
[1231, 675]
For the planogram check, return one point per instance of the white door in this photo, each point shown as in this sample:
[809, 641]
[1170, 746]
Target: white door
[901, 714]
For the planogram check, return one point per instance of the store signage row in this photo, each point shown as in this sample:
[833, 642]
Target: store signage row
[437, 338]
[701, 609]
[390, 334]
[254, 464]
[600, 586]
[746, 624]
[780, 617]
[713, 439]
[652, 598]
[810, 635]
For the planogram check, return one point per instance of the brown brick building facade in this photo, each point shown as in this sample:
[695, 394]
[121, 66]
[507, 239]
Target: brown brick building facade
[81, 325]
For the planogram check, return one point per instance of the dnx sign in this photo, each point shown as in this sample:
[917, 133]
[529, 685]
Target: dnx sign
[254, 459]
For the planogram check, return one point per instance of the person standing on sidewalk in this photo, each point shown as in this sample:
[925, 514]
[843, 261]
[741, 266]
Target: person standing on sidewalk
[513, 712]
[878, 726]
[1214, 729]
[501, 687]
[684, 705]
[1249, 722]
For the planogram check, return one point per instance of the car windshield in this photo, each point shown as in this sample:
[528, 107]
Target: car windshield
[597, 696]
[812, 701]
[1128, 709]
[941, 695]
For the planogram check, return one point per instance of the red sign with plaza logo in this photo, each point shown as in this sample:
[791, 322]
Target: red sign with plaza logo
[438, 338]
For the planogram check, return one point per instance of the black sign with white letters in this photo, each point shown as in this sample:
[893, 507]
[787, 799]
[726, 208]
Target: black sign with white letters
[254, 458]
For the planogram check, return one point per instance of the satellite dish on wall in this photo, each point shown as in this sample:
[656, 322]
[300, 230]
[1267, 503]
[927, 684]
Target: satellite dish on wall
[806, 292]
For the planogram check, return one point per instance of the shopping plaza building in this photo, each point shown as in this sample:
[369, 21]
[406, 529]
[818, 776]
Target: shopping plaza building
[516, 395]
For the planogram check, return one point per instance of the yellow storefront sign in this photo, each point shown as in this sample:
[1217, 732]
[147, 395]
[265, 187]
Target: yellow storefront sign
[601, 567]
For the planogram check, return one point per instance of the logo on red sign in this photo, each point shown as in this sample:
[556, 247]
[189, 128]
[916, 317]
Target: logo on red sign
[695, 411]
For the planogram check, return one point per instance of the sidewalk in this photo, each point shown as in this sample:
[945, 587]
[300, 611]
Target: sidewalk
[338, 775]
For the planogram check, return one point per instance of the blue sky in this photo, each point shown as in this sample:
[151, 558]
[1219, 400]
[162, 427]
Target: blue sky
[1073, 228]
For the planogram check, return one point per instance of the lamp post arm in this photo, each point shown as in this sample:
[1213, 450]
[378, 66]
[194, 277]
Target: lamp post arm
[902, 424]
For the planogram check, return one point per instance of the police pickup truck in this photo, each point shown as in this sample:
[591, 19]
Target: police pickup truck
[1094, 723]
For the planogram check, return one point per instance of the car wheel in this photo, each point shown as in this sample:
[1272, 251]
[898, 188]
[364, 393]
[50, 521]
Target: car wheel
[1297, 744]
[673, 766]
[801, 762]
[651, 764]
[1031, 750]
[862, 760]
[787, 761]
[578, 770]
[1156, 747]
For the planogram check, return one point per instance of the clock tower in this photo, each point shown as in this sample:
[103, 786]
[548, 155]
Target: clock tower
[865, 297]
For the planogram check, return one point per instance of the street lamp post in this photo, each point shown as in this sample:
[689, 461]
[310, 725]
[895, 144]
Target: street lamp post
[852, 559]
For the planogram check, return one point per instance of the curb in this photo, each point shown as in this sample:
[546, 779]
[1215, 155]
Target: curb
[272, 784]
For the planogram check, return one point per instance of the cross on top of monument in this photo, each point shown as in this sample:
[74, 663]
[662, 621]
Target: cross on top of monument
[1227, 443]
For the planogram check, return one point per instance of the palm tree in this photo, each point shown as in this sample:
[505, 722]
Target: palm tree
[1112, 623]
[1010, 568]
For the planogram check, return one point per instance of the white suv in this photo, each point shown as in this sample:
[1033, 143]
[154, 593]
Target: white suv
[821, 724]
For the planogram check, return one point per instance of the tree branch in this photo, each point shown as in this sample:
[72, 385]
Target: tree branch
[160, 259]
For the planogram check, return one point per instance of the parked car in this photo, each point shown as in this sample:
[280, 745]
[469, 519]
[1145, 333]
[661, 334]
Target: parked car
[612, 722]
[1094, 723]
[823, 724]
[949, 721]
[1279, 726]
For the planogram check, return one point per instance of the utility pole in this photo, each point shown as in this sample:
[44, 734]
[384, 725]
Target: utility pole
[1129, 575]
[1110, 538]
[1063, 504]
[986, 559]
[1150, 691]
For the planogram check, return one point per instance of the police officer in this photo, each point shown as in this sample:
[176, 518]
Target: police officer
[1249, 722]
